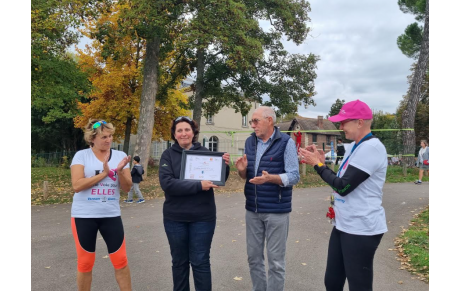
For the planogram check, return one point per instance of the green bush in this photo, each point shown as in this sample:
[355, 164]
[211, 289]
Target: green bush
[38, 162]
[65, 162]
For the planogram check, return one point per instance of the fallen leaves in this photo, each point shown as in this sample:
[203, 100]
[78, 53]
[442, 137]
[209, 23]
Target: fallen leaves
[238, 278]
[400, 242]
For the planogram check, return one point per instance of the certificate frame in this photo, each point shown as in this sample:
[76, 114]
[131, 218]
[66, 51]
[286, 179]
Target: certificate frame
[185, 164]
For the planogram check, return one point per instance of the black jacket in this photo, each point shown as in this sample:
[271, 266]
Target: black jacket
[184, 200]
[340, 149]
[136, 173]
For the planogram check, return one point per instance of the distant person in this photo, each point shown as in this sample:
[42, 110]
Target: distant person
[189, 210]
[423, 160]
[340, 151]
[136, 174]
[270, 166]
[97, 174]
[356, 202]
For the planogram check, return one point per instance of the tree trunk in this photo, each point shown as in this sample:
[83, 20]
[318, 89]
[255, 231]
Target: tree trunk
[199, 86]
[147, 106]
[128, 125]
[408, 116]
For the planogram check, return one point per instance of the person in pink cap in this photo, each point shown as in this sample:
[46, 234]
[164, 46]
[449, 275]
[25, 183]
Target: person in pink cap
[356, 202]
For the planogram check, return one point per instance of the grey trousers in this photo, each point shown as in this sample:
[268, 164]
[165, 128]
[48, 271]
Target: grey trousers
[135, 187]
[274, 228]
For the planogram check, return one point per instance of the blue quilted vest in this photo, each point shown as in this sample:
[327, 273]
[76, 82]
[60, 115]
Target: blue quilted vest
[268, 197]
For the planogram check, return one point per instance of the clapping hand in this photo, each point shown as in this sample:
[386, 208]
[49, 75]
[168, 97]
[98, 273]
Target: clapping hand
[311, 156]
[260, 179]
[123, 163]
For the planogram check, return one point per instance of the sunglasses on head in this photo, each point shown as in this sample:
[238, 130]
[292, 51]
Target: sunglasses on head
[99, 123]
[181, 117]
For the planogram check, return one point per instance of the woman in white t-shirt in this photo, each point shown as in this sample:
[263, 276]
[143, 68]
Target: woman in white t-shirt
[97, 175]
[356, 202]
[423, 160]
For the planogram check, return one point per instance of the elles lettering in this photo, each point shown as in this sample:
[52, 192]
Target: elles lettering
[102, 191]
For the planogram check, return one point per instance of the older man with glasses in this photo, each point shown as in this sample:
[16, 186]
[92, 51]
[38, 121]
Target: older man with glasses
[271, 169]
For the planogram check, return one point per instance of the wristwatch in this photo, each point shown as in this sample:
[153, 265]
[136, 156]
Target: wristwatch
[317, 166]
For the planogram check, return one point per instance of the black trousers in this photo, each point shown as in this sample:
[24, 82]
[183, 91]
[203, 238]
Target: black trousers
[338, 159]
[350, 257]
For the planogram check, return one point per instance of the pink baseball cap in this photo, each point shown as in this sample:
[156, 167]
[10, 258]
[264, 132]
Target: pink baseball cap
[353, 110]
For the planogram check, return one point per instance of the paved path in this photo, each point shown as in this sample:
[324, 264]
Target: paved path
[54, 265]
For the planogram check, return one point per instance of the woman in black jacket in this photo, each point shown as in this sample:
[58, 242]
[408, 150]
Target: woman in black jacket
[189, 210]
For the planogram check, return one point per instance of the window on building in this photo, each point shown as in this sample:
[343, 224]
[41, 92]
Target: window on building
[314, 137]
[209, 119]
[328, 139]
[120, 147]
[245, 121]
[213, 141]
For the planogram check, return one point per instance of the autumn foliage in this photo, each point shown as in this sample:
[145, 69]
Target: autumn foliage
[113, 62]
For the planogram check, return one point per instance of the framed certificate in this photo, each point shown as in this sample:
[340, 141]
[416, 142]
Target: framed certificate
[203, 165]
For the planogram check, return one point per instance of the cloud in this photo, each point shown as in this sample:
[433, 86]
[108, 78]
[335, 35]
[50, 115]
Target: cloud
[356, 42]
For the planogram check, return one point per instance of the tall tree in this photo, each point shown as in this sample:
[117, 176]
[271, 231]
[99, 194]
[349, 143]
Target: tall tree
[159, 24]
[408, 115]
[335, 109]
[236, 61]
[114, 63]
[422, 120]
[56, 82]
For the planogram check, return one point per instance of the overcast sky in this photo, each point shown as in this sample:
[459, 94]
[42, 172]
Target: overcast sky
[356, 42]
[359, 58]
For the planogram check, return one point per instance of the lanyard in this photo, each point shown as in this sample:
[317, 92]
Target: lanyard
[352, 150]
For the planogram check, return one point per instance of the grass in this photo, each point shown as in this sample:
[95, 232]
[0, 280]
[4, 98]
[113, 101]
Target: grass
[60, 188]
[413, 246]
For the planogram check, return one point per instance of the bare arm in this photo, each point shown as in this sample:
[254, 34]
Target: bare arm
[79, 182]
[125, 179]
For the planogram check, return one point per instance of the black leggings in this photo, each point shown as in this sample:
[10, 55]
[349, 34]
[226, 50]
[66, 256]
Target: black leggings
[85, 234]
[350, 257]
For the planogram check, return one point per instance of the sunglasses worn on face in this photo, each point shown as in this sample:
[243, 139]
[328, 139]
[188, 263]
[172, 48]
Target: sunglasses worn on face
[346, 121]
[255, 121]
[180, 117]
[99, 123]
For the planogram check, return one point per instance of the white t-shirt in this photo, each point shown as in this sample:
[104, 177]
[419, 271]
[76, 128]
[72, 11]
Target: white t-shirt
[361, 212]
[101, 200]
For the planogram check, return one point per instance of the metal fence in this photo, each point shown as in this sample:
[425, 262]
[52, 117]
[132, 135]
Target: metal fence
[52, 159]
[231, 142]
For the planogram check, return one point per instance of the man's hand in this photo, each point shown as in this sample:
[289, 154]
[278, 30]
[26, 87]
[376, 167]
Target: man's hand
[241, 163]
[261, 179]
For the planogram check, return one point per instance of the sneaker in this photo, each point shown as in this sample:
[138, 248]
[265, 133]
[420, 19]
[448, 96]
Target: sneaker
[141, 201]
[418, 182]
[128, 201]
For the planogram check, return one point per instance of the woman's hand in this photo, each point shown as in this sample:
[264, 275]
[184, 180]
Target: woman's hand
[311, 156]
[206, 185]
[226, 158]
[123, 163]
[105, 164]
